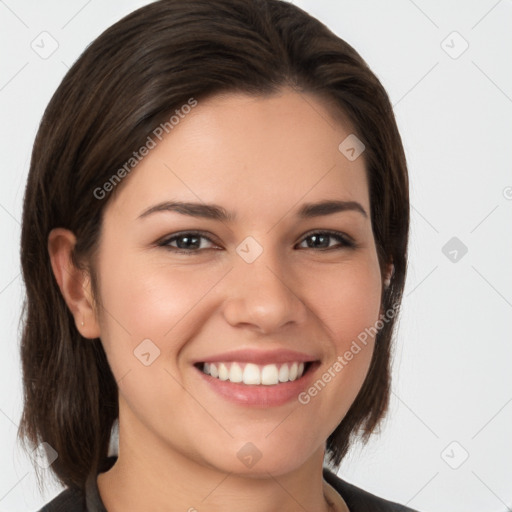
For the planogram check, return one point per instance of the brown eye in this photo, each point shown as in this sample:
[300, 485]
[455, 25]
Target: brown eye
[186, 242]
[322, 240]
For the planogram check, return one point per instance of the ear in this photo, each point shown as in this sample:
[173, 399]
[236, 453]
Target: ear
[390, 269]
[386, 280]
[74, 283]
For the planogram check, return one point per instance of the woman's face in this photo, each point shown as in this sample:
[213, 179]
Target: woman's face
[257, 295]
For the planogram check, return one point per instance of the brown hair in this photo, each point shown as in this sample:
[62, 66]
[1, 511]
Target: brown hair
[126, 83]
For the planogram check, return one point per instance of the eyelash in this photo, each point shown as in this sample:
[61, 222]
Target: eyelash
[340, 237]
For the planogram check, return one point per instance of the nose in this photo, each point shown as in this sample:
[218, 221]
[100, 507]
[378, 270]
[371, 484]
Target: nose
[263, 295]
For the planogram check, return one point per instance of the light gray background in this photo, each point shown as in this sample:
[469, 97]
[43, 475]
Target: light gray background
[452, 392]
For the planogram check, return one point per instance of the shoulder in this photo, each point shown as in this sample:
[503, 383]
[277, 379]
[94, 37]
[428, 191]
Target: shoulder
[69, 500]
[359, 500]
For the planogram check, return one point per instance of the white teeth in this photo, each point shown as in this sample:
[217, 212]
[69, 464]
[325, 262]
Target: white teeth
[253, 374]
[235, 374]
[284, 373]
[293, 371]
[223, 372]
[269, 375]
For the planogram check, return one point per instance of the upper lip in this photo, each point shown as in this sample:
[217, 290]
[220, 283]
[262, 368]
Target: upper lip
[261, 357]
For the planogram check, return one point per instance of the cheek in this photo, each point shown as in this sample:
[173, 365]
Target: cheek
[347, 300]
[348, 305]
[145, 300]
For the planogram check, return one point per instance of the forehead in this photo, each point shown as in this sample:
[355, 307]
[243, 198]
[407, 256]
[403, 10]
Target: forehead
[246, 151]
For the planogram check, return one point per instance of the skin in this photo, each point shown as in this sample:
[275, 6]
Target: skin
[261, 158]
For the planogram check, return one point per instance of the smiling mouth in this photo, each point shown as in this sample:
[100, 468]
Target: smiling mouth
[252, 374]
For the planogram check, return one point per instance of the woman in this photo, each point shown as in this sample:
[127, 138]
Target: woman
[214, 247]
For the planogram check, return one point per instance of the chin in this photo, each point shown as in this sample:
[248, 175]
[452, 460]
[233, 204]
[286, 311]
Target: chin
[259, 459]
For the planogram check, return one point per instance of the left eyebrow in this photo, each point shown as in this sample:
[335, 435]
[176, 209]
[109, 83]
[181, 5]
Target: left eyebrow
[310, 210]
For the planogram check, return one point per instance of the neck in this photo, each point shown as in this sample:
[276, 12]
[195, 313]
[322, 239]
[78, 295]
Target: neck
[157, 478]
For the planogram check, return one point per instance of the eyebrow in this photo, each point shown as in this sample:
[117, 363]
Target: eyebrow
[216, 212]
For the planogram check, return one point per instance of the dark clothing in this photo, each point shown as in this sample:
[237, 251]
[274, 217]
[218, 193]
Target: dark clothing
[358, 500]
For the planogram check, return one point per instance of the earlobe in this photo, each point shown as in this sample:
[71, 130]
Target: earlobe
[74, 283]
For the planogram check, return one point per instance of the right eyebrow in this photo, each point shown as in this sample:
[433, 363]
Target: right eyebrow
[207, 211]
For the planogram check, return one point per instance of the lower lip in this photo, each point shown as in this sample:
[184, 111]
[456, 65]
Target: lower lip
[260, 395]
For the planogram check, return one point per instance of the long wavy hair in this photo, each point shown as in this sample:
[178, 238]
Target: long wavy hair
[127, 82]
